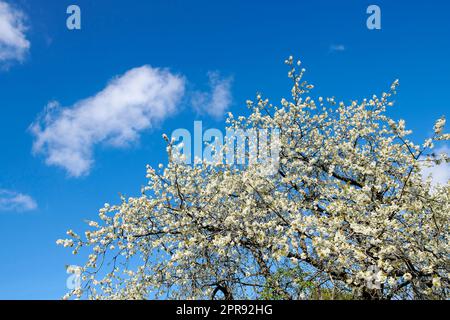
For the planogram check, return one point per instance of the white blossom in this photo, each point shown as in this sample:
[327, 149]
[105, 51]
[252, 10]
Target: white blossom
[348, 197]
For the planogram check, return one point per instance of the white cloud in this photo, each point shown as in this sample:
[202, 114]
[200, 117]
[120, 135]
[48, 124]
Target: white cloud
[13, 43]
[14, 201]
[338, 47]
[440, 173]
[115, 116]
[216, 102]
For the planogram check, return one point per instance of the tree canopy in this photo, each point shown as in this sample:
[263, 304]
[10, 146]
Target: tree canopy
[347, 214]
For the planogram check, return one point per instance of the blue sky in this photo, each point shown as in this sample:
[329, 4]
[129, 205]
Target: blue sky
[239, 45]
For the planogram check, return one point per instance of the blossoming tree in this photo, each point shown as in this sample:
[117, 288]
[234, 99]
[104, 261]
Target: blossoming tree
[347, 213]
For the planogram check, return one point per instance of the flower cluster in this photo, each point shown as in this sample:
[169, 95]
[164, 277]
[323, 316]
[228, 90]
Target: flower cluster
[348, 198]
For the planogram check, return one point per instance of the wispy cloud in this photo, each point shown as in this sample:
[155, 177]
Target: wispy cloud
[337, 48]
[440, 173]
[17, 202]
[216, 102]
[13, 42]
[116, 116]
